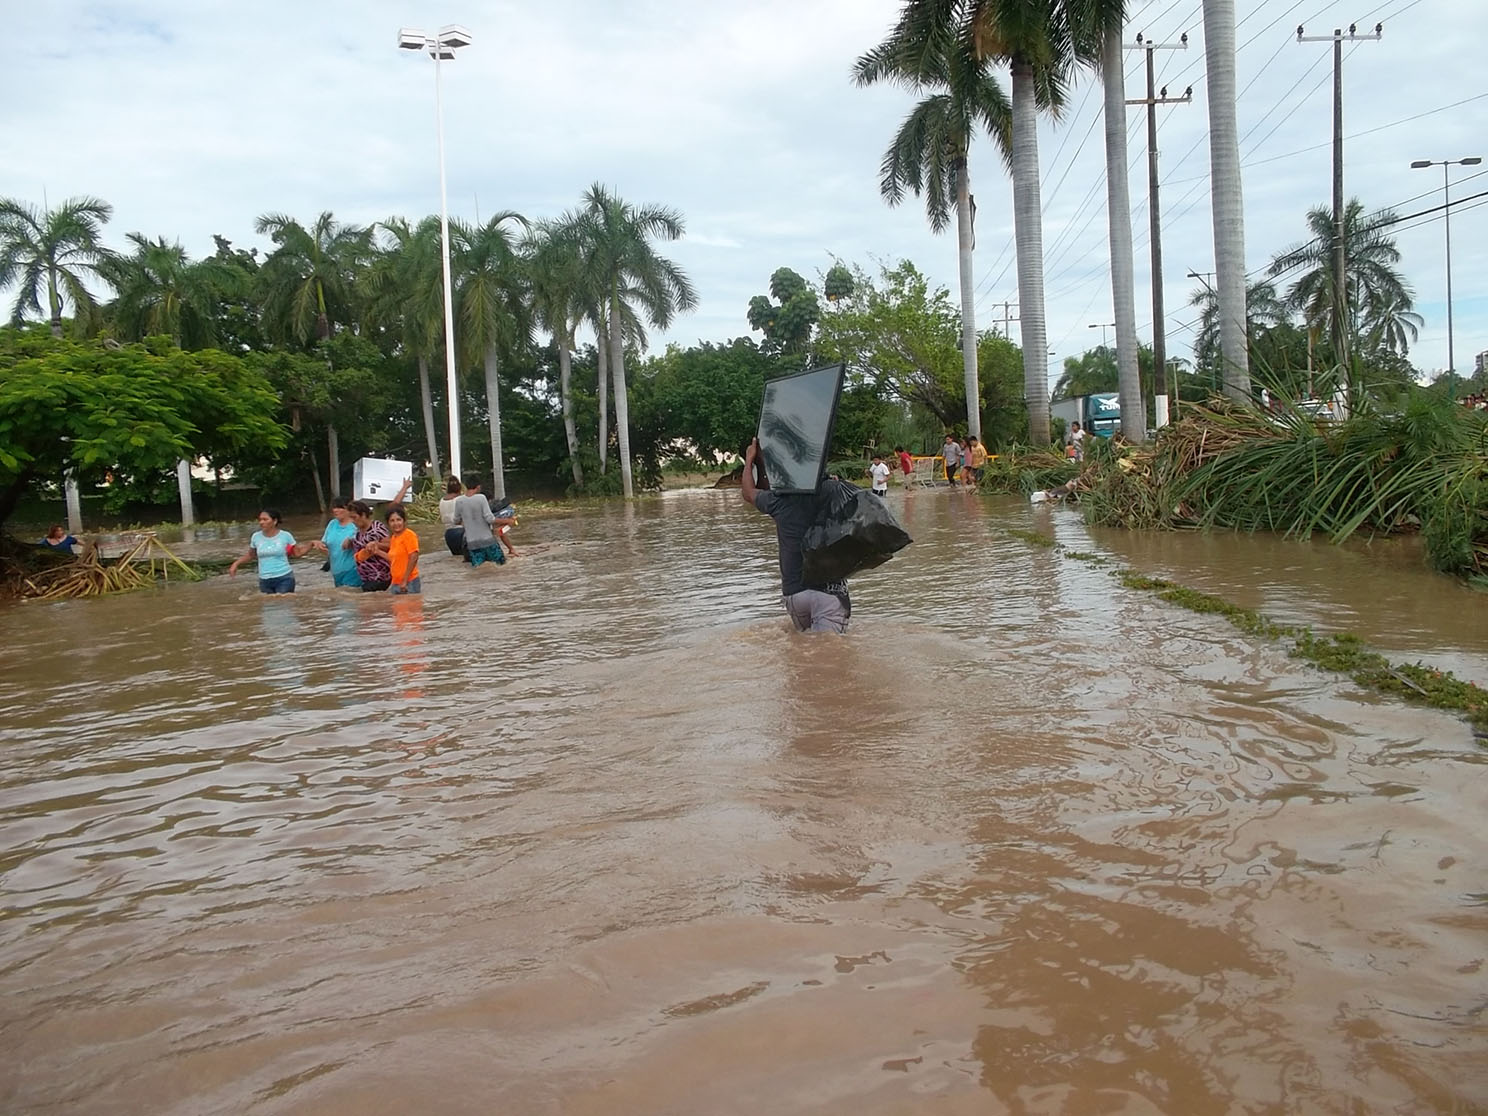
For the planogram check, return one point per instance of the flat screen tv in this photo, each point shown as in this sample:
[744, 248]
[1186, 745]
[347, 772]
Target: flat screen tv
[795, 427]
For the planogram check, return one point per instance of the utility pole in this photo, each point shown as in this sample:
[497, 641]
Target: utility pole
[1340, 249]
[1161, 375]
[1008, 317]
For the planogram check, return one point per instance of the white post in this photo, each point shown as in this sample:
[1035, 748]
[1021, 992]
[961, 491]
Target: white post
[183, 485]
[74, 503]
[449, 311]
[1162, 410]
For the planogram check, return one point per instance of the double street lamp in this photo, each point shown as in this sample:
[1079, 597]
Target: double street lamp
[1102, 326]
[441, 48]
[1445, 164]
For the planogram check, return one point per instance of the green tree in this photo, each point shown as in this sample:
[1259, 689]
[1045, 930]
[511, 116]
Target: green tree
[925, 54]
[1380, 300]
[492, 302]
[93, 407]
[1092, 372]
[406, 290]
[710, 393]
[788, 321]
[1263, 310]
[52, 252]
[309, 282]
[901, 336]
[558, 302]
[615, 239]
[162, 291]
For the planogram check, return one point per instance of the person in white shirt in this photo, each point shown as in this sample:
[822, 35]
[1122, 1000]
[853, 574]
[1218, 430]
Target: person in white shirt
[879, 472]
[454, 533]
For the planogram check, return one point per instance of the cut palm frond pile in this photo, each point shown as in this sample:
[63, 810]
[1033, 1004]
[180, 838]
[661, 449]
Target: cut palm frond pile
[1023, 469]
[1424, 469]
[424, 507]
[144, 563]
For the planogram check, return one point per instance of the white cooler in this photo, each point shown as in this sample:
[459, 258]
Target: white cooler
[376, 478]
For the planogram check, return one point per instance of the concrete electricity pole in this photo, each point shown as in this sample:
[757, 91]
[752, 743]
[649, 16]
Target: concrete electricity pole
[1167, 382]
[1340, 248]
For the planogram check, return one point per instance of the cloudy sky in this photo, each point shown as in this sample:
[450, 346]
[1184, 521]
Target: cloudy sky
[194, 116]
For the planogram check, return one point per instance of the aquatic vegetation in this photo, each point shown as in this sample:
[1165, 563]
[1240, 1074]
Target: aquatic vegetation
[1342, 653]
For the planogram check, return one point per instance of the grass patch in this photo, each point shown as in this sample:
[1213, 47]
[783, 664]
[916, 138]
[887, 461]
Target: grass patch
[1033, 537]
[1343, 654]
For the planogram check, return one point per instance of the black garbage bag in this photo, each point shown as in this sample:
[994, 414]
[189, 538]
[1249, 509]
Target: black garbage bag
[853, 530]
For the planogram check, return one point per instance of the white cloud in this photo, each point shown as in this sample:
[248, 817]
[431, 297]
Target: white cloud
[193, 118]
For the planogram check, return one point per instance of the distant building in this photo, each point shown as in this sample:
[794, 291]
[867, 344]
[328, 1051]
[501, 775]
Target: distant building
[1480, 362]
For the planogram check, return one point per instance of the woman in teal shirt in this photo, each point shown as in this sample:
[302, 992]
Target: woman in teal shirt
[273, 548]
[337, 545]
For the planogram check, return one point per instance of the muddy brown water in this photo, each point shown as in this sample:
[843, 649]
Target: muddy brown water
[596, 833]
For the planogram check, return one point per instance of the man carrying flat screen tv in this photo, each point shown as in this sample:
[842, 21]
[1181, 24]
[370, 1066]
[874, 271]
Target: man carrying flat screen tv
[812, 608]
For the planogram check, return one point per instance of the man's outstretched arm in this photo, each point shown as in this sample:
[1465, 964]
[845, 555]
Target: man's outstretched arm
[747, 487]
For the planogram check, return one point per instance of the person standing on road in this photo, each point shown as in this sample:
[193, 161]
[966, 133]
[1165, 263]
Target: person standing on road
[812, 608]
[951, 452]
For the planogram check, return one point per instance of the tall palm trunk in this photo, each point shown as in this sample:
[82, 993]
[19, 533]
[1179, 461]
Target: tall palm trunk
[622, 401]
[565, 396]
[1118, 208]
[333, 458]
[54, 303]
[428, 401]
[183, 489]
[493, 412]
[1029, 234]
[1228, 204]
[600, 349]
[964, 241]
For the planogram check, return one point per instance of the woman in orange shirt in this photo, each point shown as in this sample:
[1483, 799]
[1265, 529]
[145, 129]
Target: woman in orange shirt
[402, 550]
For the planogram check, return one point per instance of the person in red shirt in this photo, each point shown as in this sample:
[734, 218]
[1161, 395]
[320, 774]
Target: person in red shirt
[906, 466]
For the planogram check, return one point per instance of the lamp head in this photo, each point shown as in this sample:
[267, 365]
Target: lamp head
[410, 38]
[454, 37]
[1419, 163]
[1471, 161]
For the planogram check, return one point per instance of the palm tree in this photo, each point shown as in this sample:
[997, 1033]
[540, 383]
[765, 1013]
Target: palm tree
[1035, 38]
[1389, 325]
[1375, 288]
[308, 283]
[491, 300]
[407, 297]
[52, 250]
[558, 304]
[162, 291]
[1264, 310]
[615, 239]
[1228, 198]
[929, 153]
[1103, 39]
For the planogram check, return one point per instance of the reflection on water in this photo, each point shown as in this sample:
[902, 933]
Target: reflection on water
[595, 832]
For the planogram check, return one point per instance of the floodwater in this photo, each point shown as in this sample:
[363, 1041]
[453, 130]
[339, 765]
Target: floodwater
[596, 833]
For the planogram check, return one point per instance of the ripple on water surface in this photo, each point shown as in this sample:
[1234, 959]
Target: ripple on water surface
[594, 832]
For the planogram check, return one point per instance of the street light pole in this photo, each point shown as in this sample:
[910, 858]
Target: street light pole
[1102, 326]
[1445, 164]
[442, 48]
